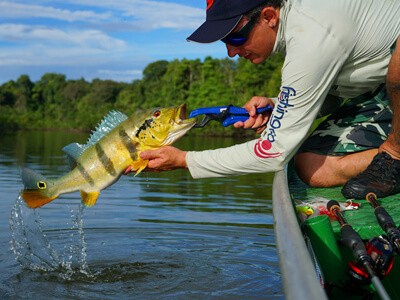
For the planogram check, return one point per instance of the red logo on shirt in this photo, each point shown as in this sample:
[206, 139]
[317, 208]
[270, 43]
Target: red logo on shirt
[209, 3]
[261, 149]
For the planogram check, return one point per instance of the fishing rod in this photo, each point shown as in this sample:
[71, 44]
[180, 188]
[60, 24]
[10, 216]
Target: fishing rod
[353, 241]
[385, 221]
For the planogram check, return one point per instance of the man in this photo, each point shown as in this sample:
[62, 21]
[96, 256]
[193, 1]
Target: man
[340, 57]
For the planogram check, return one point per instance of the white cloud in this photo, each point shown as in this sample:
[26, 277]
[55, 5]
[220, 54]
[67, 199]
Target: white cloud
[130, 14]
[96, 38]
[41, 55]
[22, 11]
[55, 36]
[152, 14]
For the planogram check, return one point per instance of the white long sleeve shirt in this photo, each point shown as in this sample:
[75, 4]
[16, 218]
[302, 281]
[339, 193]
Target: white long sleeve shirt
[340, 47]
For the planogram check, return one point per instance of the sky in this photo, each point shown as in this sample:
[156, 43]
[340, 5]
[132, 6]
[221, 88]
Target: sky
[105, 39]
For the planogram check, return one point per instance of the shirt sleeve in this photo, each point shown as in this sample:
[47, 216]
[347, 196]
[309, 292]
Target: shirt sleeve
[314, 56]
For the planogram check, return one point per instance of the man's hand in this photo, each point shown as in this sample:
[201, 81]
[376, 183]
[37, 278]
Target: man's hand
[256, 121]
[164, 159]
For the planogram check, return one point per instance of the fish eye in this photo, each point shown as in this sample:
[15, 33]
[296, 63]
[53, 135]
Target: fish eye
[156, 113]
[41, 185]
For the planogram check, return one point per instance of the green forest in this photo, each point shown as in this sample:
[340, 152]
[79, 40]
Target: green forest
[53, 102]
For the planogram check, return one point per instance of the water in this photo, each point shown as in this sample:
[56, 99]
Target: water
[154, 236]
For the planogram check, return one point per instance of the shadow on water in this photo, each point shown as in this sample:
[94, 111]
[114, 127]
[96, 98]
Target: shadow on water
[155, 236]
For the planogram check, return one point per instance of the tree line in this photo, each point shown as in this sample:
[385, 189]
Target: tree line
[57, 103]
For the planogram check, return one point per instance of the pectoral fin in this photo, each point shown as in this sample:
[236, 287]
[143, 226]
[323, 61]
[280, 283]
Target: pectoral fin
[89, 199]
[139, 165]
[35, 199]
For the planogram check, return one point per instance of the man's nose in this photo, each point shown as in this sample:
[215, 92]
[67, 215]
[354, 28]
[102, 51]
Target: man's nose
[232, 50]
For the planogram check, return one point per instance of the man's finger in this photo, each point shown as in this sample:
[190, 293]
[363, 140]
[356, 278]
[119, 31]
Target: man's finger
[148, 154]
[238, 124]
[128, 170]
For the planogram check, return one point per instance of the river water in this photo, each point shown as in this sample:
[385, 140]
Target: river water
[154, 236]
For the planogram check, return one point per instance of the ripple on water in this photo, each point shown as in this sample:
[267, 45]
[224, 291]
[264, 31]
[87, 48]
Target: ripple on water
[151, 260]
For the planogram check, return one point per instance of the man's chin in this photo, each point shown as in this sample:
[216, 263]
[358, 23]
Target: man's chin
[257, 60]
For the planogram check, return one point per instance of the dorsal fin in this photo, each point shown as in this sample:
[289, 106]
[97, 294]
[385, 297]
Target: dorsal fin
[109, 122]
[73, 151]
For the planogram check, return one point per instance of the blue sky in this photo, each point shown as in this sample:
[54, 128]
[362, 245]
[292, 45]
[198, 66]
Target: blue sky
[104, 39]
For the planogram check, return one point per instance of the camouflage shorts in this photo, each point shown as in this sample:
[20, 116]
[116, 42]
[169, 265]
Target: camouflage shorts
[360, 124]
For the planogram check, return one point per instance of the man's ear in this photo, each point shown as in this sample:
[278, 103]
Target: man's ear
[270, 15]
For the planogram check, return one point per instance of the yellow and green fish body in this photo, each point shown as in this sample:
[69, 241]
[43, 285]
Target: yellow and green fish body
[113, 147]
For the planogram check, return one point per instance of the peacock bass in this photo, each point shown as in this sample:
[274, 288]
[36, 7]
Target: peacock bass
[112, 148]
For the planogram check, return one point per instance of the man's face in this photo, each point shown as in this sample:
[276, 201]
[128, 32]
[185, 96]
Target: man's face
[260, 42]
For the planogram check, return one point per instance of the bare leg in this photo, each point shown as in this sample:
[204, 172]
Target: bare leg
[325, 171]
[382, 175]
[392, 144]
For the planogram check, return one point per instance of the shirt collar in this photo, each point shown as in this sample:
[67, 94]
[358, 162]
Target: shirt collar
[280, 43]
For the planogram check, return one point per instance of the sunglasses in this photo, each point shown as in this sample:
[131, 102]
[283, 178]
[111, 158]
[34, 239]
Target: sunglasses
[240, 37]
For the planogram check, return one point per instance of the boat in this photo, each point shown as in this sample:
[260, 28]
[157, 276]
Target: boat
[315, 261]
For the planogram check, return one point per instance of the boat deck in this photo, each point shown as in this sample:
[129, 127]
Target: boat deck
[363, 219]
[325, 236]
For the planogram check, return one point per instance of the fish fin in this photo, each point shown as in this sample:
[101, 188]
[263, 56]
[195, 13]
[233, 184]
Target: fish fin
[35, 199]
[36, 191]
[73, 152]
[109, 122]
[89, 199]
[139, 165]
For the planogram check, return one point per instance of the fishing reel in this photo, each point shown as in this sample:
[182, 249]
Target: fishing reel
[381, 255]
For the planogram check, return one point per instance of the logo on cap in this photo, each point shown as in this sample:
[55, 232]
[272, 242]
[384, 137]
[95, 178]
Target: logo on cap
[209, 3]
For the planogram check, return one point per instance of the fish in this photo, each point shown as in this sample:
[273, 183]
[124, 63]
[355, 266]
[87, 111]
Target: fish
[113, 147]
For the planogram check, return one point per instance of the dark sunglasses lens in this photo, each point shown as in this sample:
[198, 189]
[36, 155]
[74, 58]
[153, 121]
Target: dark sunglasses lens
[234, 40]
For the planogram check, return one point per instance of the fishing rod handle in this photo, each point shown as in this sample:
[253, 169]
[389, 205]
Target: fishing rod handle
[334, 208]
[383, 217]
[352, 240]
[372, 199]
[385, 221]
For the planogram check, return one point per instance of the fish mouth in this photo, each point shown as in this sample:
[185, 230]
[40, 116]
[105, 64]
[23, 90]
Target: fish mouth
[181, 116]
[181, 125]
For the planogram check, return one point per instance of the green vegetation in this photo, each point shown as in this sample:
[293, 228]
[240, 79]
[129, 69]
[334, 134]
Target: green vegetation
[54, 102]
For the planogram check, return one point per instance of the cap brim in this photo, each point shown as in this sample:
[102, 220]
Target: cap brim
[212, 31]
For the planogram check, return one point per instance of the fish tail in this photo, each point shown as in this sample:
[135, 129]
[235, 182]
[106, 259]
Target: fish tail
[37, 190]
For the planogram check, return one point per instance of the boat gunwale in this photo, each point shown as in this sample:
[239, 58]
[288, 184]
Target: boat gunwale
[299, 278]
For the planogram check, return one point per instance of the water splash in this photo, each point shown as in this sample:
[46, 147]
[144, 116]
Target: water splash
[28, 242]
[77, 249]
[34, 251]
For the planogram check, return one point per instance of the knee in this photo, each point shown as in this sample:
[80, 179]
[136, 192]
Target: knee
[318, 170]
[309, 169]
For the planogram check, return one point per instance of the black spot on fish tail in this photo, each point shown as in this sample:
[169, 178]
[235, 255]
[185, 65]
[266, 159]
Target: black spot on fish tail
[85, 174]
[128, 143]
[105, 160]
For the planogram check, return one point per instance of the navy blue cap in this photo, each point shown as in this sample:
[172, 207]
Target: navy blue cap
[222, 16]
